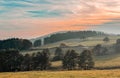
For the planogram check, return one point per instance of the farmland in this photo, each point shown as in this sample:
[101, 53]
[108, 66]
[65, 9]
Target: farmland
[64, 74]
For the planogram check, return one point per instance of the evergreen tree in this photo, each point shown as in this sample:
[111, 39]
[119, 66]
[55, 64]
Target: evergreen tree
[100, 50]
[70, 60]
[117, 46]
[10, 60]
[37, 43]
[58, 54]
[106, 39]
[86, 61]
[15, 43]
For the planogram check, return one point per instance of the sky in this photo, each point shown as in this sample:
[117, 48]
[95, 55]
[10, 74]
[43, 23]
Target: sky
[35, 18]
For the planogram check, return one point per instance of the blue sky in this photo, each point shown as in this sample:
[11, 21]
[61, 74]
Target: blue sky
[33, 18]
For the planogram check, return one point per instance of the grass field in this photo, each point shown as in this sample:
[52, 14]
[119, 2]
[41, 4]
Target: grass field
[90, 41]
[64, 74]
[102, 61]
[107, 61]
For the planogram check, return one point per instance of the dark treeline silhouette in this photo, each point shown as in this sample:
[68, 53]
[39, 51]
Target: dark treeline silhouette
[83, 61]
[37, 43]
[15, 43]
[70, 35]
[86, 60]
[12, 60]
[70, 60]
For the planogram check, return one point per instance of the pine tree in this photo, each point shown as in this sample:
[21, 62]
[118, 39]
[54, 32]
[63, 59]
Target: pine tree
[58, 54]
[86, 61]
[70, 60]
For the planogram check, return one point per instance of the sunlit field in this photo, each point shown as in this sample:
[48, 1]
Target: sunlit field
[64, 74]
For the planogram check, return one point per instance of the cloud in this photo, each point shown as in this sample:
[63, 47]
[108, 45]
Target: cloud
[67, 8]
[44, 16]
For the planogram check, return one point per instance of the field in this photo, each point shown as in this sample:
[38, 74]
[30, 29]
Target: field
[91, 41]
[101, 61]
[64, 74]
[106, 61]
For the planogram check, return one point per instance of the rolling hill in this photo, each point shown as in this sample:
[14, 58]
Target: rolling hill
[101, 61]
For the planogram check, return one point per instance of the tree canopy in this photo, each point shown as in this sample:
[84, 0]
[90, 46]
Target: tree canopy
[15, 43]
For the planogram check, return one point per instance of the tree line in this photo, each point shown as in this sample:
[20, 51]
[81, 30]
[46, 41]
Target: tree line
[72, 60]
[68, 35]
[15, 43]
[13, 60]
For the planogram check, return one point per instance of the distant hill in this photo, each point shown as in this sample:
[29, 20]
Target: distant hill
[44, 36]
[59, 36]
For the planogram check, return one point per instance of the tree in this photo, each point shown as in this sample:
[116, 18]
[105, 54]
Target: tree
[86, 61]
[26, 44]
[42, 60]
[118, 41]
[37, 43]
[10, 60]
[71, 35]
[58, 54]
[26, 63]
[15, 43]
[117, 46]
[70, 60]
[45, 59]
[106, 39]
[100, 50]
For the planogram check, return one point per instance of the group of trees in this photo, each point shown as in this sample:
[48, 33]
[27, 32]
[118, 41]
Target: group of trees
[117, 46]
[12, 60]
[58, 54]
[100, 50]
[68, 35]
[15, 43]
[84, 60]
[37, 43]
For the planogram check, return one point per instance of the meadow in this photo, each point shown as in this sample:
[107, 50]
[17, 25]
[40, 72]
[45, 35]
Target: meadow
[64, 74]
[100, 61]
[109, 61]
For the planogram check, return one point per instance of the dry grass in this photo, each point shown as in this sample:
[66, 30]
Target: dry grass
[108, 61]
[101, 61]
[64, 74]
[91, 41]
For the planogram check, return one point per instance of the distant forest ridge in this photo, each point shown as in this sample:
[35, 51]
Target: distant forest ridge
[67, 35]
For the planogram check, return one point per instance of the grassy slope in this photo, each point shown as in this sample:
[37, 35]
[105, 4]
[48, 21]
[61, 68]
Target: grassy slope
[64, 74]
[103, 61]
[108, 60]
[91, 41]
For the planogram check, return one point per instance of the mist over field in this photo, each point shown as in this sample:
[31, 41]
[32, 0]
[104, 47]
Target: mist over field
[59, 39]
